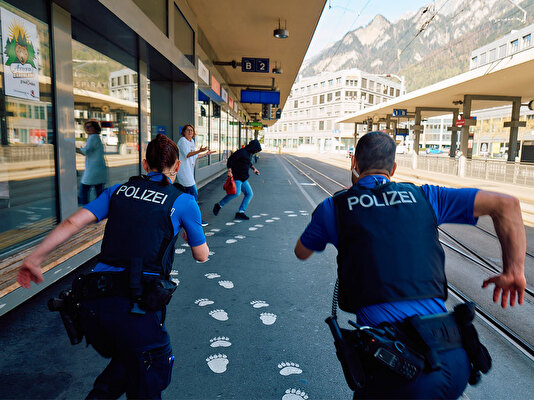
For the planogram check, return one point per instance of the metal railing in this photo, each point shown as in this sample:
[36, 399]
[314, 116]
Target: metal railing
[514, 173]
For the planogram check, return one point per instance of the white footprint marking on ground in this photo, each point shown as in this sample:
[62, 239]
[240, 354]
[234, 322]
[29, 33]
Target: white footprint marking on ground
[252, 229]
[256, 216]
[212, 275]
[219, 315]
[179, 251]
[258, 226]
[217, 363]
[263, 214]
[174, 272]
[303, 211]
[226, 284]
[289, 212]
[215, 230]
[259, 303]
[237, 221]
[209, 233]
[2, 305]
[220, 341]
[276, 218]
[268, 318]
[295, 394]
[202, 262]
[185, 245]
[176, 280]
[230, 223]
[240, 237]
[269, 220]
[211, 253]
[291, 215]
[203, 302]
[289, 368]
[230, 241]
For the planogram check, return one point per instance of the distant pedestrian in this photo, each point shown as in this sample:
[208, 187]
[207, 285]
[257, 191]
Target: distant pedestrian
[188, 158]
[238, 165]
[96, 171]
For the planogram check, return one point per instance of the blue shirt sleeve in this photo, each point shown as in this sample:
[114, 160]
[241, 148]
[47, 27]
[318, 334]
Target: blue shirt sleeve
[186, 214]
[100, 206]
[453, 206]
[322, 228]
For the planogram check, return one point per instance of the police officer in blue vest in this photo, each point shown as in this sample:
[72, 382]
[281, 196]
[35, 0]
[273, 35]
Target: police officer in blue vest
[391, 264]
[122, 311]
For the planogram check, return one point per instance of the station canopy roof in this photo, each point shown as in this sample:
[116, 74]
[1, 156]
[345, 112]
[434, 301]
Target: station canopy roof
[511, 76]
[244, 28]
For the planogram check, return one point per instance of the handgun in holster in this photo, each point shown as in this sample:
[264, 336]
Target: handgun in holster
[69, 312]
[347, 355]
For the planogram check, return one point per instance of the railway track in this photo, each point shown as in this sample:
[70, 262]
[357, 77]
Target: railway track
[464, 251]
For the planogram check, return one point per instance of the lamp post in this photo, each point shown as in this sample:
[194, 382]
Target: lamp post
[400, 78]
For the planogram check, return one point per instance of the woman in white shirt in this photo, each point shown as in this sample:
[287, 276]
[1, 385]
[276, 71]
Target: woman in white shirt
[188, 158]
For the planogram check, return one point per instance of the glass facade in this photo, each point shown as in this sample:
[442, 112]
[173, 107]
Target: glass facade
[27, 151]
[112, 85]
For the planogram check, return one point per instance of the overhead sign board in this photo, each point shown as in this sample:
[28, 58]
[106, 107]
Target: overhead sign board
[203, 72]
[255, 124]
[260, 97]
[255, 65]
[400, 112]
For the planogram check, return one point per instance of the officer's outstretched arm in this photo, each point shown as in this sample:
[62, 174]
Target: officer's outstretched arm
[301, 251]
[201, 253]
[505, 211]
[30, 270]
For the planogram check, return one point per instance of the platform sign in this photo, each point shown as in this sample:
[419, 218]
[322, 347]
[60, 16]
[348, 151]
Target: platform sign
[459, 122]
[255, 65]
[400, 112]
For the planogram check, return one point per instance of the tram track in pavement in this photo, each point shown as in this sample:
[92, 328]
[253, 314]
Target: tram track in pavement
[515, 339]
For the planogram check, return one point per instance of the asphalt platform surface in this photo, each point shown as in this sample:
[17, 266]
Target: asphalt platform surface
[246, 324]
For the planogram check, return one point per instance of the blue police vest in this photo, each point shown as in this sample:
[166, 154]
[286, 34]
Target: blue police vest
[388, 247]
[139, 226]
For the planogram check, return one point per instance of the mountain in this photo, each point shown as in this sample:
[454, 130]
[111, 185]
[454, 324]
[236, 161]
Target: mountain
[425, 47]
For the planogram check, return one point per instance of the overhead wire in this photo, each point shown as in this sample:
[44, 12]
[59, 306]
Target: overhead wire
[341, 40]
[465, 37]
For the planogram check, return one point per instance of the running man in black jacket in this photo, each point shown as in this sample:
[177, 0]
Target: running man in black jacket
[238, 165]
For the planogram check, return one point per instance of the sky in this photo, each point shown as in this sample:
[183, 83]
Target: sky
[341, 16]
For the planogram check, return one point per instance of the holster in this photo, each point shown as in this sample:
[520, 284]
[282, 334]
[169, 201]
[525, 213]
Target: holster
[157, 293]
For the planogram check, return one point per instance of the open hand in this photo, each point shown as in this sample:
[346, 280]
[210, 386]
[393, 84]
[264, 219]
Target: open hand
[508, 287]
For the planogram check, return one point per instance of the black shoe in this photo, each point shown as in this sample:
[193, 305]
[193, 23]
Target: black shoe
[204, 223]
[241, 215]
[216, 208]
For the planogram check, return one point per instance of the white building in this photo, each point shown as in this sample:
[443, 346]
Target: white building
[123, 84]
[490, 137]
[308, 119]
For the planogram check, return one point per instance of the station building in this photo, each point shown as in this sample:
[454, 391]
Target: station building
[140, 68]
[308, 120]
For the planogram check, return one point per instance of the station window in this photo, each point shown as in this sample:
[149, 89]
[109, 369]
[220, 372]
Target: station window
[514, 45]
[321, 99]
[474, 61]
[492, 55]
[330, 82]
[295, 104]
[329, 97]
[118, 114]
[321, 125]
[502, 51]
[526, 41]
[364, 83]
[27, 136]
[322, 84]
[483, 59]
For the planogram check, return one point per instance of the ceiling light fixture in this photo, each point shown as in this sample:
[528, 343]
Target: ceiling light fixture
[280, 33]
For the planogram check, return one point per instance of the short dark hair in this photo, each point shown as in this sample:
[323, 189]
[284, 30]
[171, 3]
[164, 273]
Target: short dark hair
[375, 150]
[94, 124]
[161, 153]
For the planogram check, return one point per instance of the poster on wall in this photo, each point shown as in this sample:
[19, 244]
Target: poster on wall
[20, 50]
